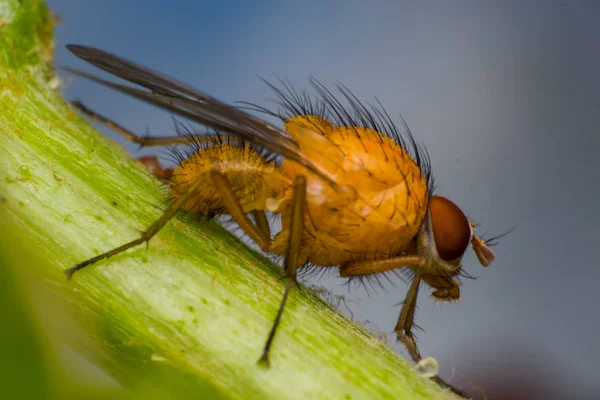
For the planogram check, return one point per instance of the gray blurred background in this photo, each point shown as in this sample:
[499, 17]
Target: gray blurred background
[505, 96]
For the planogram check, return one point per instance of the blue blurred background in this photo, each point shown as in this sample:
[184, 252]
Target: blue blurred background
[504, 95]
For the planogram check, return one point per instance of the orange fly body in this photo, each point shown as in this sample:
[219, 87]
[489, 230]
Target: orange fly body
[352, 191]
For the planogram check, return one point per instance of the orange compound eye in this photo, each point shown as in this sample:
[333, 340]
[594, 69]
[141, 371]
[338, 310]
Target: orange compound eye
[451, 228]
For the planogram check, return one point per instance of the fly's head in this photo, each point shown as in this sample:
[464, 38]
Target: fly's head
[444, 237]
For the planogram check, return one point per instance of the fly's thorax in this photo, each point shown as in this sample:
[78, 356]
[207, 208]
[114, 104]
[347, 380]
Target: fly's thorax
[386, 200]
[357, 224]
[302, 127]
[252, 178]
[371, 164]
[384, 175]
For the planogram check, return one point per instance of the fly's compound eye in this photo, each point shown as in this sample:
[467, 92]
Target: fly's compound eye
[451, 229]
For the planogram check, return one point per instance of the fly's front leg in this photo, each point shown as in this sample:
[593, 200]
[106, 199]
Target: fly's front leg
[446, 289]
[405, 321]
[358, 268]
[405, 335]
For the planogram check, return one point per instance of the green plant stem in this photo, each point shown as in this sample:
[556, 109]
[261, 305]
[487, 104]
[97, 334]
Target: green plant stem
[187, 316]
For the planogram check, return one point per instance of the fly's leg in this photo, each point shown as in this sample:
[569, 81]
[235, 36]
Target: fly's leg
[405, 335]
[260, 219]
[150, 162]
[132, 137]
[153, 165]
[406, 319]
[259, 231]
[258, 235]
[221, 185]
[145, 236]
[370, 267]
[296, 230]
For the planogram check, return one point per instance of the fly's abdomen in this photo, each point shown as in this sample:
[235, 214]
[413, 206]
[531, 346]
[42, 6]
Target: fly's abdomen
[252, 178]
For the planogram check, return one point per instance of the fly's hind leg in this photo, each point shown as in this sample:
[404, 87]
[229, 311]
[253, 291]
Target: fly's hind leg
[232, 204]
[143, 141]
[256, 231]
[153, 165]
[259, 232]
[146, 235]
[150, 162]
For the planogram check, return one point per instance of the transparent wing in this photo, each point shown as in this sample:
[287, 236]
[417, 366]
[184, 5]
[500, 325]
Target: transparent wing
[186, 101]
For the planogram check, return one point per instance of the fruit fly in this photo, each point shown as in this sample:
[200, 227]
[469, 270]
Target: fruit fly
[353, 191]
